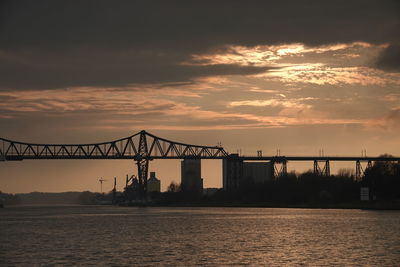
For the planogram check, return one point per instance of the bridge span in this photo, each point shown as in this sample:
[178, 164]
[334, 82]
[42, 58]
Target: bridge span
[143, 147]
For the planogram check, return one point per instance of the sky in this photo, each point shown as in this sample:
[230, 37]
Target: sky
[298, 76]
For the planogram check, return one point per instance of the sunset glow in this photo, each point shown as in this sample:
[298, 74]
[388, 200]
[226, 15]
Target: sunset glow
[245, 85]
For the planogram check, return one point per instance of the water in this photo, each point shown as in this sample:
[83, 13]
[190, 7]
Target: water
[118, 236]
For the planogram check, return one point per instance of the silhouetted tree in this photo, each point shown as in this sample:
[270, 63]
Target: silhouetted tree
[383, 179]
[347, 173]
[174, 187]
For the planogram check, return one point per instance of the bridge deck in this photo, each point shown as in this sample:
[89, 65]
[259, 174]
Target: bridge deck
[145, 146]
[319, 158]
[244, 158]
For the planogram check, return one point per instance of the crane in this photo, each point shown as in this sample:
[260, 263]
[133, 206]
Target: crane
[101, 180]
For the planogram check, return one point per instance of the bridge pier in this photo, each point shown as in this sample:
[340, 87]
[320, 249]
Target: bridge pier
[360, 171]
[143, 164]
[143, 170]
[325, 170]
[279, 170]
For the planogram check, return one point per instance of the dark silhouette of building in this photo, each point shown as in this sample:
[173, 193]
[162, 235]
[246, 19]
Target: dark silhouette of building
[232, 171]
[258, 172]
[236, 171]
[153, 184]
[191, 180]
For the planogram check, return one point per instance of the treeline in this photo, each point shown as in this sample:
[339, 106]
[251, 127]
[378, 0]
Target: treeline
[9, 199]
[383, 179]
[92, 198]
[290, 189]
[49, 198]
[307, 187]
[36, 198]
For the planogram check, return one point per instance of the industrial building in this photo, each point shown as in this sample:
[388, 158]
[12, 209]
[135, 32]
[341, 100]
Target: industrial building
[232, 172]
[259, 172]
[191, 180]
[235, 171]
[153, 184]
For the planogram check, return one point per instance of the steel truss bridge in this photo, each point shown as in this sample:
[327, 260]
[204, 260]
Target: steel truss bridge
[140, 147]
[143, 147]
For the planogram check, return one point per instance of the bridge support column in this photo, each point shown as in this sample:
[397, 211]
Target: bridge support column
[143, 170]
[279, 170]
[143, 164]
[359, 169]
[316, 167]
[326, 170]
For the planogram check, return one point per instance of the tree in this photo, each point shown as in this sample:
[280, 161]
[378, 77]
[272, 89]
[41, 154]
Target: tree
[346, 173]
[174, 187]
[383, 178]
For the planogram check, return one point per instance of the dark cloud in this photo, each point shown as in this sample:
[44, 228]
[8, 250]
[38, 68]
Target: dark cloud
[52, 44]
[392, 120]
[105, 69]
[194, 24]
[389, 60]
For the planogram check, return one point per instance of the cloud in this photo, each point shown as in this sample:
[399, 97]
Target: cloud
[270, 102]
[278, 55]
[321, 74]
[341, 63]
[60, 44]
[103, 68]
[391, 121]
[108, 109]
[388, 123]
[198, 25]
[389, 59]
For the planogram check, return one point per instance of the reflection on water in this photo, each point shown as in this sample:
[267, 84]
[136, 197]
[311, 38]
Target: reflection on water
[101, 235]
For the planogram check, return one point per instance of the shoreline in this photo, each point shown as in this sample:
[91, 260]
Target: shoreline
[383, 205]
[362, 206]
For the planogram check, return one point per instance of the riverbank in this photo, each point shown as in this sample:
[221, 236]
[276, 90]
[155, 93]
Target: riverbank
[375, 205]
[355, 205]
